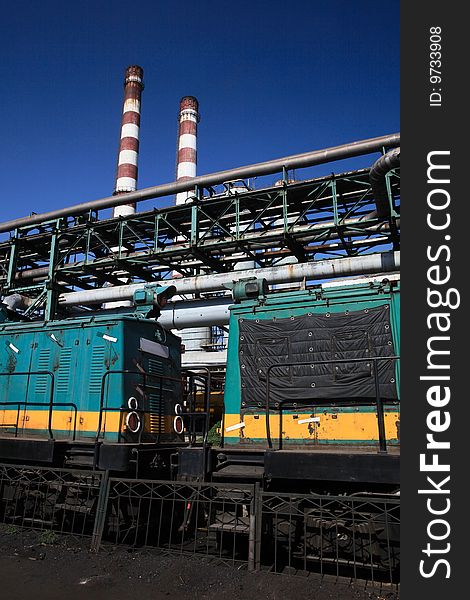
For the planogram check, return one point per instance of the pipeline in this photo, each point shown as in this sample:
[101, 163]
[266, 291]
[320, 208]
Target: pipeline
[377, 173]
[14, 301]
[323, 269]
[215, 311]
[295, 161]
[196, 313]
[182, 314]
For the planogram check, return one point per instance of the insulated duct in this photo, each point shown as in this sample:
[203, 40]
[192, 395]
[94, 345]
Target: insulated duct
[215, 311]
[377, 173]
[199, 313]
[316, 270]
[17, 301]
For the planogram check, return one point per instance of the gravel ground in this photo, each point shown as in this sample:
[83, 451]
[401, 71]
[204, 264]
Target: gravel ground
[57, 568]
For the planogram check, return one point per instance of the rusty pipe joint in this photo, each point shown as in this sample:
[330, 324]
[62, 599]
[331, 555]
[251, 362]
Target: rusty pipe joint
[17, 301]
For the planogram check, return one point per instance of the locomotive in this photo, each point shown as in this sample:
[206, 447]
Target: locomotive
[311, 417]
[312, 388]
[102, 426]
[311, 395]
[89, 390]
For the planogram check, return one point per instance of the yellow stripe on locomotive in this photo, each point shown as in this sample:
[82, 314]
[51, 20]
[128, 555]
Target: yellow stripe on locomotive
[315, 367]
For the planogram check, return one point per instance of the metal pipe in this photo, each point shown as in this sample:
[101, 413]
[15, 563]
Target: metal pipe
[199, 313]
[322, 269]
[14, 301]
[295, 161]
[39, 272]
[377, 173]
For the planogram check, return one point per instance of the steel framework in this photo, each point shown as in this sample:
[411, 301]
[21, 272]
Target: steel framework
[325, 217]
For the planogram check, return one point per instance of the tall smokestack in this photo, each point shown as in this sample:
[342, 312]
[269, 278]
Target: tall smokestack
[194, 338]
[126, 176]
[187, 143]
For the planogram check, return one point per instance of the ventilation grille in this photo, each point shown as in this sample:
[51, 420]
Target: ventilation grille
[43, 382]
[155, 367]
[96, 369]
[63, 373]
[156, 420]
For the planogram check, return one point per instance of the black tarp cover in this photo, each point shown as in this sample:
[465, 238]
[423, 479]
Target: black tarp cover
[314, 337]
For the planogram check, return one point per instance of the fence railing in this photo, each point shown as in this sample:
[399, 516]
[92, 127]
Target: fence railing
[356, 536]
[57, 500]
[352, 536]
[50, 405]
[179, 518]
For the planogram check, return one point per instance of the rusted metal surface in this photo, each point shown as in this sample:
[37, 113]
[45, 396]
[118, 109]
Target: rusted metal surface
[373, 263]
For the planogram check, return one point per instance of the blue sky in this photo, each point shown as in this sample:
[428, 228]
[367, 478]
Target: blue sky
[273, 78]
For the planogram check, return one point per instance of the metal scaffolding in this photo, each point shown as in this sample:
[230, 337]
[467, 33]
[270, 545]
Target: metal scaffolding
[309, 220]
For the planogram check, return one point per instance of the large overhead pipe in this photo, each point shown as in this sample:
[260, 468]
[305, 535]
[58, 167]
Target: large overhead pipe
[316, 270]
[377, 173]
[14, 301]
[215, 311]
[295, 161]
[197, 314]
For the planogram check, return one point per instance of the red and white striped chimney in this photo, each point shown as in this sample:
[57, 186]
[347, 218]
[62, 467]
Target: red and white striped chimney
[126, 176]
[187, 143]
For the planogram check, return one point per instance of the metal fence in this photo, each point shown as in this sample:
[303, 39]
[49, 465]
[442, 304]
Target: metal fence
[59, 500]
[352, 536]
[355, 536]
[207, 519]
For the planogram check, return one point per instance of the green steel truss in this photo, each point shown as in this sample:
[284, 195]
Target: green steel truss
[319, 218]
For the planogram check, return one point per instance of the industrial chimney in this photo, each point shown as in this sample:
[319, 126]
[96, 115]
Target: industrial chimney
[126, 176]
[195, 339]
[187, 143]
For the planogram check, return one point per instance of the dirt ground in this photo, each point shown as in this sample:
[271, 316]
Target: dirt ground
[42, 565]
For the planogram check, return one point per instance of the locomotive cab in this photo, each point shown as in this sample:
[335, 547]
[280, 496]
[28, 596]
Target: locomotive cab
[312, 387]
[101, 385]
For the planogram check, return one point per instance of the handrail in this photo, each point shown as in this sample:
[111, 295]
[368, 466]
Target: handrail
[142, 373]
[378, 399]
[51, 394]
[206, 380]
[26, 404]
[192, 414]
